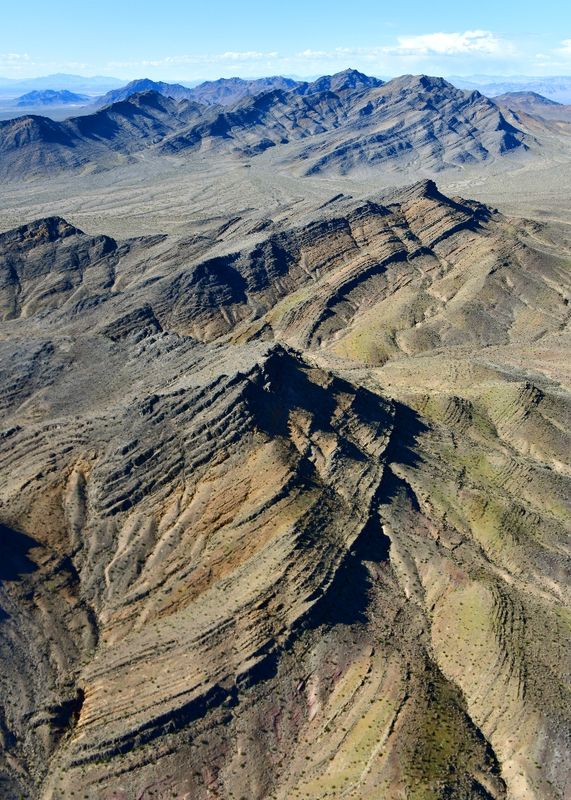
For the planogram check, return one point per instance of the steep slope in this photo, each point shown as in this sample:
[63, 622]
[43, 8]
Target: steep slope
[288, 519]
[409, 122]
[141, 85]
[47, 262]
[35, 146]
[223, 92]
[49, 97]
[256, 123]
[417, 121]
[351, 122]
[349, 80]
[228, 91]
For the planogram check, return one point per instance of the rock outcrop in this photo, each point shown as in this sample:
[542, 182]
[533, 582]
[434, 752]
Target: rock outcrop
[284, 511]
[347, 122]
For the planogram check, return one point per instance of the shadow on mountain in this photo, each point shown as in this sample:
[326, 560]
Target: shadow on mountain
[408, 426]
[14, 549]
[401, 450]
[347, 599]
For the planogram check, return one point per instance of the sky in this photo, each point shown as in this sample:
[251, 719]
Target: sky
[190, 40]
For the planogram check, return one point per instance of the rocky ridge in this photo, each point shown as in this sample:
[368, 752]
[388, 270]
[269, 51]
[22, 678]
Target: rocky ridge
[346, 122]
[281, 517]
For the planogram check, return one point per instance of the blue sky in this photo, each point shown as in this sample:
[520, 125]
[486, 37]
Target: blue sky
[198, 40]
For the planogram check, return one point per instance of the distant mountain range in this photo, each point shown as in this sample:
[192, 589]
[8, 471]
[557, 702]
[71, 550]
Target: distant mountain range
[342, 123]
[531, 103]
[556, 88]
[49, 97]
[98, 84]
[174, 90]
[531, 99]
[229, 91]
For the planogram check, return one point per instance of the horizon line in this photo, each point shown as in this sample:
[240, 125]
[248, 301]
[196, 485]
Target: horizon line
[291, 76]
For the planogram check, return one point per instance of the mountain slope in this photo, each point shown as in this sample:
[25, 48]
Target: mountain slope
[141, 85]
[48, 97]
[408, 123]
[349, 80]
[256, 123]
[533, 103]
[289, 517]
[228, 91]
[420, 121]
[224, 91]
[35, 146]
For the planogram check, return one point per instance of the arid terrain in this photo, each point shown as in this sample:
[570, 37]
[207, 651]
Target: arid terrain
[285, 436]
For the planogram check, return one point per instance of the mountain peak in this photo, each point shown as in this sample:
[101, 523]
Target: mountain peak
[51, 97]
[42, 231]
[533, 97]
[174, 90]
[228, 91]
[341, 81]
[425, 83]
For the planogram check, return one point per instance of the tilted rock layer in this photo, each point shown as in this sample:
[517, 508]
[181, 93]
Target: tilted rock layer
[343, 123]
[284, 509]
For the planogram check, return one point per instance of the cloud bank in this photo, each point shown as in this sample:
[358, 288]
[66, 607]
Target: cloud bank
[441, 52]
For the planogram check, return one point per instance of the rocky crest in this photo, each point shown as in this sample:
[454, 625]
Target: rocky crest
[285, 518]
[346, 122]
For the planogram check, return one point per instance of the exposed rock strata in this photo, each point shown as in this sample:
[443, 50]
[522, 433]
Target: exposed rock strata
[284, 519]
[346, 123]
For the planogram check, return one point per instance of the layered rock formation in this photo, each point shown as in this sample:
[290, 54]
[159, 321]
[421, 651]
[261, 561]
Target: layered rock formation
[347, 122]
[284, 508]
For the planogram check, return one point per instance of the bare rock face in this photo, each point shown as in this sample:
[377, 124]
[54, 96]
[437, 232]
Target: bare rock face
[351, 123]
[228, 91]
[46, 262]
[35, 146]
[420, 121]
[348, 122]
[286, 515]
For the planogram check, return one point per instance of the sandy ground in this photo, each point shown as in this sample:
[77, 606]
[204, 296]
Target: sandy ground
[173, 195]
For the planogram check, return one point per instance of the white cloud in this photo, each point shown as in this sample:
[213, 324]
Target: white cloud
[13, 63]
[22, 65]
[438, 53]
[411, 49]
[249, 55]
[229, 57]
[424, 47]
[316, 53]
[340, 53]
[478, 42]
[556, 61]
[13, 58]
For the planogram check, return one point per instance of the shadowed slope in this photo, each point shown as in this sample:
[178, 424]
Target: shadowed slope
[350, 122]
[236, 566]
